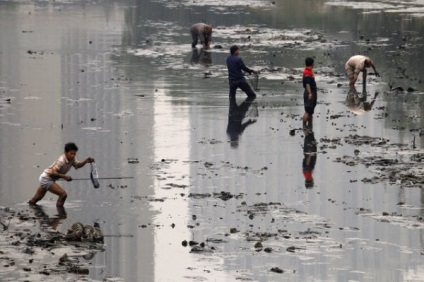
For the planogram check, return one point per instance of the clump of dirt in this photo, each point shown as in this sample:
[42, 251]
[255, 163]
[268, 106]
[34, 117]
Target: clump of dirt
[401, 165]
[30, 245]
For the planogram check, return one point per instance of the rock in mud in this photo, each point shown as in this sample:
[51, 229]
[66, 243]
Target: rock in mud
[200, 249]
[133, 160]
[225, 196]
[258, 245]
[78, 270]
[277, 270]
[291, 249]
[199, 195]
[268, 250]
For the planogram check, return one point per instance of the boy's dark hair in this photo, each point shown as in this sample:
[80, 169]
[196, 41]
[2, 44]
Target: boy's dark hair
[70, 147]
[233, 49]
[309, 61]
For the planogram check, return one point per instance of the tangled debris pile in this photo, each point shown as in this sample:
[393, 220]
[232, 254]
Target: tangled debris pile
[88, 233]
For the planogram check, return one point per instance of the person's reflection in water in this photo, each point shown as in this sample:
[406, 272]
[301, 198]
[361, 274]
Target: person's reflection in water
[357, 102]
[202, 57]
[309, 157]
[47, 221]
[235, 120]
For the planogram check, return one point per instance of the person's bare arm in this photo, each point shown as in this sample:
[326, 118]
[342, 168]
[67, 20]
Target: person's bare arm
[308, 89]
[374, 68]
[54, 173]
[84, 162]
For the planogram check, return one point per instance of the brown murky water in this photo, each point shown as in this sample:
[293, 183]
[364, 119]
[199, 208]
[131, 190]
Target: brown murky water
[120, 80]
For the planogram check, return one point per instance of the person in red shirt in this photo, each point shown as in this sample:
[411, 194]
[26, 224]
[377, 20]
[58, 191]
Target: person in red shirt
[310, 93]
[309, 158]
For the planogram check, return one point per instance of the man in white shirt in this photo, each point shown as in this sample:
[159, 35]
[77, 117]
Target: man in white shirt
[203, 32]
[357, 64]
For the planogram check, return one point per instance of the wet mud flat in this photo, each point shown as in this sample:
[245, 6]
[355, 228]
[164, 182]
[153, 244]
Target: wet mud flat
[275, 232]
[226, 210]
[31, 250]
[280, 232]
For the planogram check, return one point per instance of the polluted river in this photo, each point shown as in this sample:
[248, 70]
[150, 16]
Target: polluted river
[191, 189]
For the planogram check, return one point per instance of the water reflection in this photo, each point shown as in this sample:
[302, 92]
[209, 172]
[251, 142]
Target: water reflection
[357, 102]
[202, 57]
[309, 157]
[47, 221]
[237, 113]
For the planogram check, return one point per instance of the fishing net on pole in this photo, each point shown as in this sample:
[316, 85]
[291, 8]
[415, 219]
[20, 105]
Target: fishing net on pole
[94, 175]
[253, 111]
[254, 81]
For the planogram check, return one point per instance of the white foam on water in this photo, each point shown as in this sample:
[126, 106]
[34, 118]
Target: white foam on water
[399, 220]
[163, 49]
[362, 5]
[412, 10]
[218, 4]
[11, 123]
[357, 271]
[145, 53]
[413, 274]
[390, 6]
[371, 12]
[113, 279]
[417, 15]
[76, 101]
[91, 128]
[124, 114]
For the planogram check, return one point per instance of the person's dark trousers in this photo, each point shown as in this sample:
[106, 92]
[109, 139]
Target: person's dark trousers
[244, 86]
[195, 39]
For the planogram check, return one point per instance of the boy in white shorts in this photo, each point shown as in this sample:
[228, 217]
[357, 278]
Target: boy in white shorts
[56, 171]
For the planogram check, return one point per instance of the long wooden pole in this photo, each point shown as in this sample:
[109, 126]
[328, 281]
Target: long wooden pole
[118, 177]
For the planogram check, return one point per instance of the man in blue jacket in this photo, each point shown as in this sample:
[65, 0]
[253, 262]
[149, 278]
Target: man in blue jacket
[236, 77]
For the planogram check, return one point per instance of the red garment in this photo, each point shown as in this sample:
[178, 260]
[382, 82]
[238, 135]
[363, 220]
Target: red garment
[308, 72]
[307, 175]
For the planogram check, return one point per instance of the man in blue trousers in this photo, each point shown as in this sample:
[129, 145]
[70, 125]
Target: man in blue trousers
[236, 77]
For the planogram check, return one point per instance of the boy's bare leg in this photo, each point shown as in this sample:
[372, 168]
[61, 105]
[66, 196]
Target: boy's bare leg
[57, 190]
[41, 192]
[306, 118]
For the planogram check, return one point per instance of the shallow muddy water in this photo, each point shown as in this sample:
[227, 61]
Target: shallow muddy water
[119, 78]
